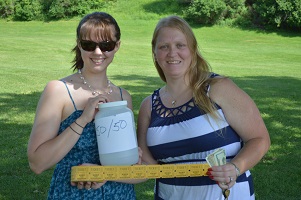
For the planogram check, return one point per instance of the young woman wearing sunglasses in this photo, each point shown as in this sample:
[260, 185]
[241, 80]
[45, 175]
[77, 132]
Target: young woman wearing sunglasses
[63, 132]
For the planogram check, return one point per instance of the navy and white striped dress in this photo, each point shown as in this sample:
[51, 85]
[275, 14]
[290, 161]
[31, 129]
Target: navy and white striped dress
[184, 134]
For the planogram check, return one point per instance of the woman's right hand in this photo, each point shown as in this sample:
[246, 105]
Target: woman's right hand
[91, 108]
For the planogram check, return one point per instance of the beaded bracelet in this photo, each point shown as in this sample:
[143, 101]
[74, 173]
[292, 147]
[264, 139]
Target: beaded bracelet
[78, 124]
[75, 131]
[236, 169]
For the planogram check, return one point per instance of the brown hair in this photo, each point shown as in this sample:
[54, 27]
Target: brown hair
[99, 23]
[199, 70]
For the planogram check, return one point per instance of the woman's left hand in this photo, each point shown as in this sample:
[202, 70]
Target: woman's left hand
[224, 175]
[88, 185]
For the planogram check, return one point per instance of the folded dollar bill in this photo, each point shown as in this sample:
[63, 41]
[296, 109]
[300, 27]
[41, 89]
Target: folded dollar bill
[217, 158]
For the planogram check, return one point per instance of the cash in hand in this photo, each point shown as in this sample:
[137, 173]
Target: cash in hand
[217, 158]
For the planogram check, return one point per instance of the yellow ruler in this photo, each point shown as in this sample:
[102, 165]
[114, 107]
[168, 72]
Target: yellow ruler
[100, 173]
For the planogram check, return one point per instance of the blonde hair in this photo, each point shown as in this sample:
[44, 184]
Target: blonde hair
[199, 70]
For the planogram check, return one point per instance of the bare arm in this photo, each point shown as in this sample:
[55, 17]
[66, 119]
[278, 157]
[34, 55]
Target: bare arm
[142, 126]
[244, 117]
[45, 147]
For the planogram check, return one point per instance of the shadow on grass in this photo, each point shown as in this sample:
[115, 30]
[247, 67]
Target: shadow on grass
[279, 101]
[278, 98]
[281, 32]
[139, 87]
[16, 179]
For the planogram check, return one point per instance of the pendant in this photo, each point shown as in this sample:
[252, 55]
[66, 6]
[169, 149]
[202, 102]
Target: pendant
[226, 194]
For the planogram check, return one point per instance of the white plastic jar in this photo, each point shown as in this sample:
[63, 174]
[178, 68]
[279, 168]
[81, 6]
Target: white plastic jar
[116, 134]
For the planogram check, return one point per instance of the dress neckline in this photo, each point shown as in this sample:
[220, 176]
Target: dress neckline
[164, 111]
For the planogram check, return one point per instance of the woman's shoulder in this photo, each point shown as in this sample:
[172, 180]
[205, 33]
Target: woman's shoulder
[58, 87]
[221, 82]
[54, 86]
[124, 93]
[225, 91]
[146, 102]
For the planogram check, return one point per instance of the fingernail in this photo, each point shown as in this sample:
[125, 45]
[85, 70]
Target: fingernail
[208, 173]
[210, 169]
[211, 177]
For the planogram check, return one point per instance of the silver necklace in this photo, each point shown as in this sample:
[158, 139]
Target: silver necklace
[94, 92]
[173, 102]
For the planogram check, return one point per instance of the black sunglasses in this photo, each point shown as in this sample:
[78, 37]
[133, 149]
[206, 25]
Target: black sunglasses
[105, 46]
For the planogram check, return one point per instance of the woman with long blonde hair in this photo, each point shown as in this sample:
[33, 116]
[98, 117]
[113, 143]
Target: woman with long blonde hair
[195, 113]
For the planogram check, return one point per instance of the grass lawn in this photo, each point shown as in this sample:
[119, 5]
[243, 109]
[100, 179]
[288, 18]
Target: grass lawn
[265, 64]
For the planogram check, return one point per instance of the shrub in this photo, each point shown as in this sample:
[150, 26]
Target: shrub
[205, 11]
[279, 13]
[58, 9]
[6, 8]
[27, 10]
[210, 12]
[235, 8]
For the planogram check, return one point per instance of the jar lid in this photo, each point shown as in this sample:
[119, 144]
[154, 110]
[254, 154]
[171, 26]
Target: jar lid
[112, 104]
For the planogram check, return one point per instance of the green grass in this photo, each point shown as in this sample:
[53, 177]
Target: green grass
[265, 64]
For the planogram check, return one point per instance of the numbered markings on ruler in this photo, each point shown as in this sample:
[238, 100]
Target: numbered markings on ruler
[182, 171]
[153, 171]
[100, 173]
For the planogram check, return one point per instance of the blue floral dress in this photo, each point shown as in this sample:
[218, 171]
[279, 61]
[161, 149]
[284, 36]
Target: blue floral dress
[84, 151]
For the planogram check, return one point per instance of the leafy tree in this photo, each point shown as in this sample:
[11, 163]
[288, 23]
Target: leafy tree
[279, 13]
[27, 10]
[205, 11]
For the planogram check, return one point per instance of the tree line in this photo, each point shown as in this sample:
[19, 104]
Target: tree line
[283, 14]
